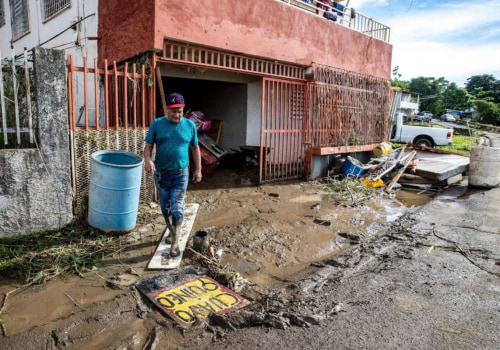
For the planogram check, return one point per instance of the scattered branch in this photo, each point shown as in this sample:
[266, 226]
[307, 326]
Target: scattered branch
[464, 253]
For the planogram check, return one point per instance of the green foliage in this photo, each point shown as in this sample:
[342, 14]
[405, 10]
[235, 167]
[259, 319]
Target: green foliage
[457, 98]
[489, 112]
[461, 145]
[437, 95]
[484, 86]
[396, 82]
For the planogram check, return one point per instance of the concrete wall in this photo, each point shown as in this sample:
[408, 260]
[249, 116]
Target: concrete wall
[228, 102]
[35, 191]
[265, 28]
[322, 166]
[254, 112]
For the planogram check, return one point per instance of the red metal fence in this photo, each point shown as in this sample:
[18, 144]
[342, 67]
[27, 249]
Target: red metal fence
[112, 98]
[339, 112]
[224, 60]
[109, 108]
[342, 116]
[282, 140]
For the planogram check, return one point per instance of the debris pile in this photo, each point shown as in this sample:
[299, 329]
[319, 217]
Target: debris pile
[412, 166]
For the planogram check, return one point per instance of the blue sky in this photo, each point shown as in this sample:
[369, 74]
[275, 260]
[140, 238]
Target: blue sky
[440, 38]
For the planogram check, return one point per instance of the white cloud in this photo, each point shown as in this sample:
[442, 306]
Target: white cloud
[360, 3]
[433, 23]
[452, 41]
[454, 62]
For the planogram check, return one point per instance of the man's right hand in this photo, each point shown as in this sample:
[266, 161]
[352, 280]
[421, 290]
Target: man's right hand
[148, 162]
[150, 166]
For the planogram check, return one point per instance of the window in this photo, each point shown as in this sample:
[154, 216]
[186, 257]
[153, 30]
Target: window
[20, 20]
[52, 7]
[2, 14]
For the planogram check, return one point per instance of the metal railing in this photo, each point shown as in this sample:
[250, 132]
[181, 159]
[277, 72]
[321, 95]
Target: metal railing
[224, 60]
[120, 97]
[15, 101]
[347, 17]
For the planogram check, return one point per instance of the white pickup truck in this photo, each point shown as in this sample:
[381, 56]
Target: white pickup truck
[419, 135]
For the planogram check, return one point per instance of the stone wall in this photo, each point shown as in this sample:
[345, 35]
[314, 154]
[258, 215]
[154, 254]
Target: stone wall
[35, 184]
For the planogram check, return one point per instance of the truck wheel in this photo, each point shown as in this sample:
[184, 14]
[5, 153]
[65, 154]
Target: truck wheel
[423, 141]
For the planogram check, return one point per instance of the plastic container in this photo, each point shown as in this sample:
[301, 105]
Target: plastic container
[115, 184]
[382, 149]
[484, 167]
[201, 241]
[352, 167]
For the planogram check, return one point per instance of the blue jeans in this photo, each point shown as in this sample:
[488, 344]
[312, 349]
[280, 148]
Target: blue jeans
[171, 191]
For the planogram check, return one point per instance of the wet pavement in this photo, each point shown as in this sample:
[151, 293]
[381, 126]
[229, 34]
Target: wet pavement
[273, 235]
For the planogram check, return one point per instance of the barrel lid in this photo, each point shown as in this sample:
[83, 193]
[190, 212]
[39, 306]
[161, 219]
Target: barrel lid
[135, 159]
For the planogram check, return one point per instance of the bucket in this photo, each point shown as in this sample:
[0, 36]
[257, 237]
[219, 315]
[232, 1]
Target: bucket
[382, 149]
[200, 241]
[484, 167]
[352, 167]
[115, 184]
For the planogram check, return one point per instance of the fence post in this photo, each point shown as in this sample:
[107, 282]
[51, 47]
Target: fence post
[28, 94]
[16, 105]
[2, 103]
[52, 125]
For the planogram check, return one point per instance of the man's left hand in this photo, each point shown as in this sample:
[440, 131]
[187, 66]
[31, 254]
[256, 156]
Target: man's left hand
[197, 176]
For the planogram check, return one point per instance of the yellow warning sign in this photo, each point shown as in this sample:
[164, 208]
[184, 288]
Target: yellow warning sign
[196, 299]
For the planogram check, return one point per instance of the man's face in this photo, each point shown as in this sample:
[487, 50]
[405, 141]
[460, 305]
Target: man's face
[175, 114]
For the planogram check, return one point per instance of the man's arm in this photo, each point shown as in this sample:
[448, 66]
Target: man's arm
[195, 150]
[148, 162]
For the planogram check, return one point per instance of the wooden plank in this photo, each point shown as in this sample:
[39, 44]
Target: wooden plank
[161, 259]
[400, 172]
[162, 92]
[320, 151]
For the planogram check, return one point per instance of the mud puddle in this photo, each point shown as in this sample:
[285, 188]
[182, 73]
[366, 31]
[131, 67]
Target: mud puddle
[270, 234]
[413, 198]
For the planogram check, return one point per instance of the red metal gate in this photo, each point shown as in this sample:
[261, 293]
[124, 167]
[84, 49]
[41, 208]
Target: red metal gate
[282, 147]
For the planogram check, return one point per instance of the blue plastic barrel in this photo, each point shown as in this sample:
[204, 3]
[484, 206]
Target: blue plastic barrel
[115, 184]
[352, 167]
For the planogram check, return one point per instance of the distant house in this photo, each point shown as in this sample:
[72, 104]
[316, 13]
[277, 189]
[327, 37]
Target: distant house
[470, 113]
[409, 103]
[67, 25]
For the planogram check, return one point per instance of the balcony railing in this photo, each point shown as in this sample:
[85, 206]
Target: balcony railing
[347, 17]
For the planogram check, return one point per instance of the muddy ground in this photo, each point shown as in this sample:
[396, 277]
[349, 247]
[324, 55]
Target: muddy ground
[325, 271]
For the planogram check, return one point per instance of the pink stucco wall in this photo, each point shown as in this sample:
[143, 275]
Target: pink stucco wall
[126, 28]
[266, 28]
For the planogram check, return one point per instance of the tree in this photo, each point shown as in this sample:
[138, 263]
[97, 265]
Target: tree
[489, 112]
[432, 91]
[486, 85]
[403, 84]
[457, 98]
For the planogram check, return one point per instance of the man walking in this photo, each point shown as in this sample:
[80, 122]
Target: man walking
[173, 135]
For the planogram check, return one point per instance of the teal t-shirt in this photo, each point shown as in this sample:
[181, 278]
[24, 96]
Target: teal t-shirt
[172, 143]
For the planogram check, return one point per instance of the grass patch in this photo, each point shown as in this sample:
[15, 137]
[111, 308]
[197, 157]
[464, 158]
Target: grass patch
[461, 145]
[348, 187]
[47, 254]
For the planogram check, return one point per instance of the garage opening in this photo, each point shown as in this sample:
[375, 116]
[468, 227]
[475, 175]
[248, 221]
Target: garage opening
[229, 100]
[218, 101]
